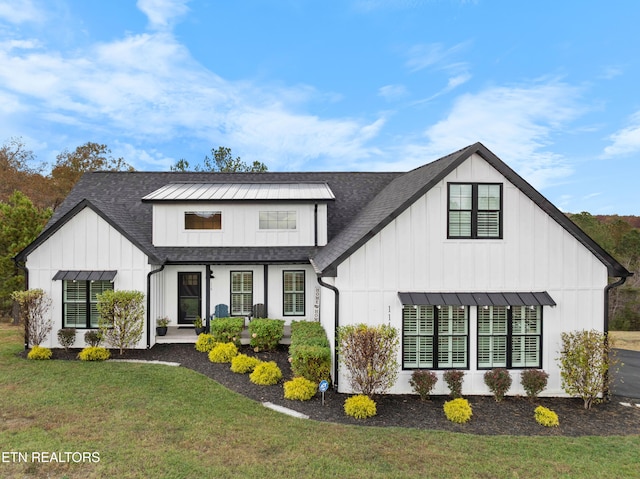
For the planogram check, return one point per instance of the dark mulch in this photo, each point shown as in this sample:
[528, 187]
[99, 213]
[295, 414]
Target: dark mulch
[512, 416]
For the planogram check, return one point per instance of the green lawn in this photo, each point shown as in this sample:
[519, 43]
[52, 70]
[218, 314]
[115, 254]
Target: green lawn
[166, 422]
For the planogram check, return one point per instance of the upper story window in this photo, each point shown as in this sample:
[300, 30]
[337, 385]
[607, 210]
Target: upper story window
[277, 220]
[202, 220]
[474, 210]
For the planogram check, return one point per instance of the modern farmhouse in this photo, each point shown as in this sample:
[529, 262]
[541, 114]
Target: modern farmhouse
[472, 265]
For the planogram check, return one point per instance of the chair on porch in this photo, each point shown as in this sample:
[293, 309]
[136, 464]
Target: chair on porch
[221, 311]
[259, 311]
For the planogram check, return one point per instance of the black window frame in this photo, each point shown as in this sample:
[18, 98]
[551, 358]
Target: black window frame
[87, 302]
[474, 211]
[285, 293]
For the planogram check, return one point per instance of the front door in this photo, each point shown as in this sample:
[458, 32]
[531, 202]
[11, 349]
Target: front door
[189, 297]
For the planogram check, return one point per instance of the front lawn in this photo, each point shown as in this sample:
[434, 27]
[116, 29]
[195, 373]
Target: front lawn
[160, 421]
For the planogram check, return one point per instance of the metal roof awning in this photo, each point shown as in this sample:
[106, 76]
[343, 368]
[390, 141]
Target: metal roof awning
[541, 298]
[85, 275]
[241, 192]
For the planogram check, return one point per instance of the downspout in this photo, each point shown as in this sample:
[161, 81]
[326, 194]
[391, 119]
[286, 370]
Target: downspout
[26, 287]
[607, 289]
[265, 273]
[151, 273]
[336, 326]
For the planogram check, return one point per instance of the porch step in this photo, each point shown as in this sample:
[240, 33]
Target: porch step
[177, 335]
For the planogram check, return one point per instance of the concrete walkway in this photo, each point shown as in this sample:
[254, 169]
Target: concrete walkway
[626, 381]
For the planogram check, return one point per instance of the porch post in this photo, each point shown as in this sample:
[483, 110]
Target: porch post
[207, 297]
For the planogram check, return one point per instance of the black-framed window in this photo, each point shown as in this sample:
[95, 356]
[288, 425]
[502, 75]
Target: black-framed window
[435, 337]
[474, 210]
[241, 293]
[509, 337]
[79, 302]
[202, 220]
[293, 292]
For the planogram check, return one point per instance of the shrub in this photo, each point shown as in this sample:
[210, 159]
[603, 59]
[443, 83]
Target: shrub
[300, 389]
[121, 320]
[499, 382]
[454, 378]
[458, 410]
[533, 381]
[93, 338]
[312, 362]
[584, 364]
[266, 333]
[38, 352]
[307, 333]
[94, 353]
[227, 330]
[66, 337]
[369, 353]
[223, 353]
[205, 343]
[423, 383]
[360, 407]
[546, 417]
[243, 364]
[266, 374]
[33, 307]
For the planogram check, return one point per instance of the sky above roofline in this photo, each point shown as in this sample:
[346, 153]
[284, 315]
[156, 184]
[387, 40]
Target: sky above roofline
[360, 85]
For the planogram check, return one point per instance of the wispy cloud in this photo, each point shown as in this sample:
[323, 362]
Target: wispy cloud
[436, 55]
[20, 11]
[626, 141]
[163, 14]
[393, 92]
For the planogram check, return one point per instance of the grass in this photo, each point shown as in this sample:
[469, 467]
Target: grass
[625, 339]
[159, 421]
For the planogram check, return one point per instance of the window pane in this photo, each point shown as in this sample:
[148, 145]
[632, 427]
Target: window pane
[488, 224]
[202, 220]
[460, 224]
[241, 293]
[488, 197]
[293, 290]
[460, 197]
[418, 329]
[277, 220]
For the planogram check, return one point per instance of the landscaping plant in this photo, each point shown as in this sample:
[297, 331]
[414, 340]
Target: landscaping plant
[38, 352]
[499, 382]
[546, 417]
[93, 338]
[360, 407]
[265, 333]
[369, 354]
[300, 389]
[66, 337]
[94, 353]
[34, 305]
[205, 343]
[423, 383]
[533, 381]
[227, 330]
[243, 364]
[453, 378]
[311, 362]
[266, 374]
[458, 410]
[121, 320]
[223, 353]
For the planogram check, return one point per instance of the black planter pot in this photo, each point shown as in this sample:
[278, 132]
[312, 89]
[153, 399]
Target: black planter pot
[199, 331]
[161, 330]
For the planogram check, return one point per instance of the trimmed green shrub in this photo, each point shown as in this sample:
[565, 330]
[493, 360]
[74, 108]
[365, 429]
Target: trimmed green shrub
[360, 407]
[243, 364]
[121, 319]
[546, 417]
[205, 343]
[94, 353]
[266, 374]
[66, 337]
[307, 333]
[39, 352]
[265, 333]
[227, 330]
[93, 338]
[312, 363]
[454, 378]
[499, 382]
[423, 383]
[223, 353]
[300, 389]
[533, 381]
[458, 410]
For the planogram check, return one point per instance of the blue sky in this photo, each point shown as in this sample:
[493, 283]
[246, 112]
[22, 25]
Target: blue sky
[551, 87]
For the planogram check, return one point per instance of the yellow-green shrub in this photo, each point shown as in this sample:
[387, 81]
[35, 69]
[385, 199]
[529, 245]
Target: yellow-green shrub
[458, 410]
[546, 417]
[243, 364]
[360, 407]
[300, 389]
[223, 353]
[205, 343]
[266, 374]
[39, 352]
[94, 353]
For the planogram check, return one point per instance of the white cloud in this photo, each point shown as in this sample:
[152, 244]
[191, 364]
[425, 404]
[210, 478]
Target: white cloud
[393, 92]
[626, 141]
[435, 55]
[20, 11]
[162, 14]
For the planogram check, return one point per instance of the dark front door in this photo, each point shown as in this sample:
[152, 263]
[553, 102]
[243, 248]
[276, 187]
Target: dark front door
[189, 297]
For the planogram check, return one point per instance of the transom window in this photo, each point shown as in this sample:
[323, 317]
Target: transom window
[475, 210]
[277, 220]
[293, 293]
[241, 293]
[435, 337]
[202, 220]
[79, 302]
[509, 337]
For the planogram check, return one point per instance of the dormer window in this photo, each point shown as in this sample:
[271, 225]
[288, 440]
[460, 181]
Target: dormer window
[202, 220]
[474, 210]
[277, 220]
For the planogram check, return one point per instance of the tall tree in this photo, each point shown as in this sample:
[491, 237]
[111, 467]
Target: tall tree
[70, 166]
[221, 161]
[19, 172]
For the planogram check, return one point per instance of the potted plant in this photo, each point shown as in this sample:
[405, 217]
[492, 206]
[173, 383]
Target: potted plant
[198, 325]
[161, 326]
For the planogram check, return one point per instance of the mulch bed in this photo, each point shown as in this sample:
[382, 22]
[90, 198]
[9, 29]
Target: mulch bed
[512, 416]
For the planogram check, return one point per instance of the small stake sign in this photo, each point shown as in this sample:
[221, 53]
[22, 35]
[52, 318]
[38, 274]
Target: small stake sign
[324, 385]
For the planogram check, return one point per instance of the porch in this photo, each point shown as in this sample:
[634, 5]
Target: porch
[186, 335]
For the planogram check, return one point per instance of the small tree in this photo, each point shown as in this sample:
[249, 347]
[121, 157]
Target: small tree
[369, 353]
[34, 305]
[121, 319]
[584, 364]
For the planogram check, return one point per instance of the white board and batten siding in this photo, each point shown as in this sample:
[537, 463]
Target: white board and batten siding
[412, 253]
[85, 242]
